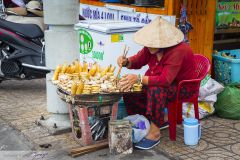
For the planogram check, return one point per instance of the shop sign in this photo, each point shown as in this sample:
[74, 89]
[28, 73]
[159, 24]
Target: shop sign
[228, 13]
[135, 17]
[102, 13]
[86, 41]
[97, 13]
[140, 17]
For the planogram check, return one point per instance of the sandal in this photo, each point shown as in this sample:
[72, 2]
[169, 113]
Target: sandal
[164, 126]
[146, 144]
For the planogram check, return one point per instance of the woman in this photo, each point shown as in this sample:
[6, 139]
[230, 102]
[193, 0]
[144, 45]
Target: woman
[170, 61]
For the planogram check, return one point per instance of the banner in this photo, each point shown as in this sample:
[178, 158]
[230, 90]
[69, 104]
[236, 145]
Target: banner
[228, 14]
[91, 12]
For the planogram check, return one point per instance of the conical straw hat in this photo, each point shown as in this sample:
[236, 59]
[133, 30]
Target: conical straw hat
[159, 34]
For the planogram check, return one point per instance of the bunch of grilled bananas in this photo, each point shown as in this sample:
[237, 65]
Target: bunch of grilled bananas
[78, 78]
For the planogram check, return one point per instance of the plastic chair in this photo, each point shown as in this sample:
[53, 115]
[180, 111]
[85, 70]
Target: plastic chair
[175, 110]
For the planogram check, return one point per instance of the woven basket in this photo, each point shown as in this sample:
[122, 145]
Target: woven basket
[98, 99]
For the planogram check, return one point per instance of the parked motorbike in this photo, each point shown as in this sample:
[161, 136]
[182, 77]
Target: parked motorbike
[22, 53]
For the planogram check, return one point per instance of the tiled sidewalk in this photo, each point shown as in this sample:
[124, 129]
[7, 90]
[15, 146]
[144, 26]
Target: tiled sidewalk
[220, 141]
[22, 102]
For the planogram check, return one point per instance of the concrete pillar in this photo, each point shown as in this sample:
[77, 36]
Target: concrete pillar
[61, 46]
[61, 12]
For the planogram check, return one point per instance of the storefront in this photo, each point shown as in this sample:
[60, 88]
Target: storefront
[87, 78]
[200, 14]
[227, 30]
[226, 64]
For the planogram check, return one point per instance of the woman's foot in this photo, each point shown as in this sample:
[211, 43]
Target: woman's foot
[151, 140]
[154, 132]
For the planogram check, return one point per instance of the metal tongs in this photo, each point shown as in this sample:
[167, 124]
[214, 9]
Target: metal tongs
[125, 52]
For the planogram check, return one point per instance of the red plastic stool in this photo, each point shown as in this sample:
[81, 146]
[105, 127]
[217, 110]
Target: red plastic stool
[175, 109]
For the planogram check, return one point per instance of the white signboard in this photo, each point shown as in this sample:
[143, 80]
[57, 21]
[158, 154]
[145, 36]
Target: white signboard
[142, 17]
[97, 13]
[135, 17]
[119, 13]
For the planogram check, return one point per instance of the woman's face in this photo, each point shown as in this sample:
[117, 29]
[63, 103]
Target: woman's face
[153, 50]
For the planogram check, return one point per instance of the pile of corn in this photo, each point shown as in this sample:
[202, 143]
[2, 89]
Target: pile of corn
[78, 78]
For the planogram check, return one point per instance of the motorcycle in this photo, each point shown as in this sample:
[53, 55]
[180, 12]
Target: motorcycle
[22, 54]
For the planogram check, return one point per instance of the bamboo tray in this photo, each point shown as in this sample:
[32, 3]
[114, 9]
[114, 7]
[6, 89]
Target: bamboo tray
[98, 99]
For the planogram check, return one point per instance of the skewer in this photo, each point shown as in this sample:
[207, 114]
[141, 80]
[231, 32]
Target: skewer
[124, 56]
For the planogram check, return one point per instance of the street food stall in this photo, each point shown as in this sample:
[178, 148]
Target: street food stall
[89, 86]
[92, 95]
[70, 78]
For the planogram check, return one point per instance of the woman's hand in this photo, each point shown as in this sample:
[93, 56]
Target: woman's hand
[127, 82]
[122, 61]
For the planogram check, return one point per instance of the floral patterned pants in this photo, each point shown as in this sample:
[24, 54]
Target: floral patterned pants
[151, 102]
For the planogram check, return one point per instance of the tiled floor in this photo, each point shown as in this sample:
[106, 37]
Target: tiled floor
[220, 140]
[22, 102]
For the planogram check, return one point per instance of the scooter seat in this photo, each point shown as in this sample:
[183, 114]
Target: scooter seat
[32, 31]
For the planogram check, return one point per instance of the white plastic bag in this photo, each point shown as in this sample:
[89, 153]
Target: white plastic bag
[204, 108]
[211, 98]
[209, 87]
[140, 126]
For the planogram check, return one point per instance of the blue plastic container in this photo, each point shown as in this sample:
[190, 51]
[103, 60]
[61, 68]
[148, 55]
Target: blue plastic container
[227, 70]
[192, 131]
[122, 112]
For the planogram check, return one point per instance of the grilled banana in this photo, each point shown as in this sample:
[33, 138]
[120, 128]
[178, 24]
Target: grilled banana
[56, 72]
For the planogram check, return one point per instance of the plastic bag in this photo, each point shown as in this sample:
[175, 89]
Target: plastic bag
[211, 98]
[140, 126]
[209, 87]
[228, 103]
[204, 108]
